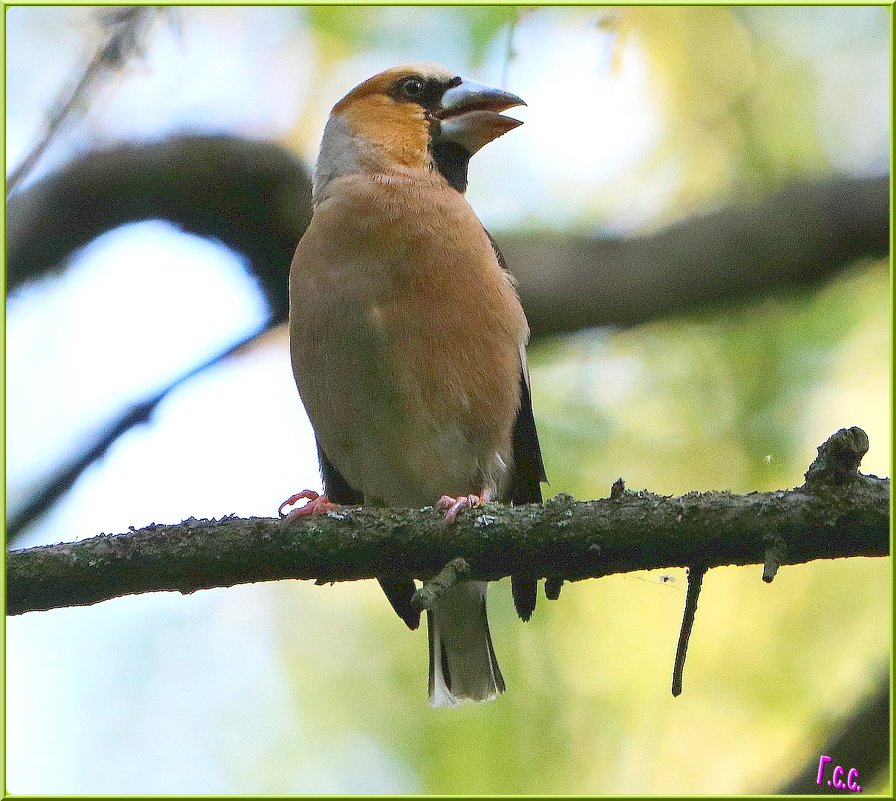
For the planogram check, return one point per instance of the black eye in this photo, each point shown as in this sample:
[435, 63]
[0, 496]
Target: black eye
[412, 88]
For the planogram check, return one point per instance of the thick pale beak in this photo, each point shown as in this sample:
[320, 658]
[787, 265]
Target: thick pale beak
[470, 115]
[472, 96]
[475, 129]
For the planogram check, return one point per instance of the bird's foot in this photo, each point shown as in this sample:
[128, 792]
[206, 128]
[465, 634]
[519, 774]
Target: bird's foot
[317, 505]
[452, 506]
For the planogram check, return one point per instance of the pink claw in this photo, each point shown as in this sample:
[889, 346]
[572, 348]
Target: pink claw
[317, 505]
[453, 505]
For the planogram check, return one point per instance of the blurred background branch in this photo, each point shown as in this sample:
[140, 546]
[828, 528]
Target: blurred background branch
[92, 449]
[126, 34]
[255, 197]
[859, 738]
[800, 236]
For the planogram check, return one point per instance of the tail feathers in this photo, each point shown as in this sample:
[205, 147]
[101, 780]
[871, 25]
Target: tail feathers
[462, 663]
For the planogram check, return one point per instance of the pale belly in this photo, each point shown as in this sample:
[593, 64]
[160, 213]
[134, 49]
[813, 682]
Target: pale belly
[394, 412]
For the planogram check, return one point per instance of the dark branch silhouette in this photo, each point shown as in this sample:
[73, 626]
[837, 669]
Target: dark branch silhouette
[695, 583]
[834, 514]
[255, 198]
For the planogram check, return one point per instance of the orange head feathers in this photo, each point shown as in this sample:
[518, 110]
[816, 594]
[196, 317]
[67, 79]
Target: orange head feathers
[419, 117]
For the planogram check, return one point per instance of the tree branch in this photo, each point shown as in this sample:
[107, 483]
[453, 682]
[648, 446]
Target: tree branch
[846, 514]
[256, 198]
[801, 236]
[695, 583]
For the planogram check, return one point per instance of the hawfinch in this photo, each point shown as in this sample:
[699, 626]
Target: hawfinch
[408, 338]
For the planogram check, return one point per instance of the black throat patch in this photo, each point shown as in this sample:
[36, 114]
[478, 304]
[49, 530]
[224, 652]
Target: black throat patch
[452, 161]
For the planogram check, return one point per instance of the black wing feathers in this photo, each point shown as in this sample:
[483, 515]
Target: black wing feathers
[399, 590]
[528, 465]
[336, 488]
[528, 471]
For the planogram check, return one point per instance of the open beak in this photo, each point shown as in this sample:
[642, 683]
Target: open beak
[470, 114]
[472, 96]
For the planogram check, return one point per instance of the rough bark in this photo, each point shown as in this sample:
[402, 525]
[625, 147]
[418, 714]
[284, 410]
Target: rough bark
[838, 513]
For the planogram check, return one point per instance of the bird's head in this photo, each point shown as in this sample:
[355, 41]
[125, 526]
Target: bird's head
[409, 118]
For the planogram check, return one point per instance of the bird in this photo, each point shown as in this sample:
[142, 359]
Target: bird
[408, 339]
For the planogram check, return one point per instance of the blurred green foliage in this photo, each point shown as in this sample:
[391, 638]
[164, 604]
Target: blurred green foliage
[483, 24]
[346, 29]
[738, 93]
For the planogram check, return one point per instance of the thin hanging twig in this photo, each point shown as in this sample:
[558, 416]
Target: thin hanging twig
[127, 31]
[695, 584]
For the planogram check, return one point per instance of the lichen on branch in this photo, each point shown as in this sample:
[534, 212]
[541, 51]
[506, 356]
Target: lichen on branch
[838, 512]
